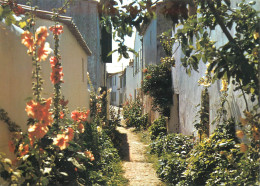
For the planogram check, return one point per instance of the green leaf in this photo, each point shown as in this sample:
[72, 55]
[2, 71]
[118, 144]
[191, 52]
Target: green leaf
[76, 164]
[110, 53]
[188, 71]
[204, 59]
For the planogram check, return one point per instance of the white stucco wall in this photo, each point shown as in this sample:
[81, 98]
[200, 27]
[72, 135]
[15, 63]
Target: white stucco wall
[130, 82]
[190, 93]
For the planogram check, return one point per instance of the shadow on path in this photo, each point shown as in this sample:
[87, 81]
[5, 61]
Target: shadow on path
[122, 146]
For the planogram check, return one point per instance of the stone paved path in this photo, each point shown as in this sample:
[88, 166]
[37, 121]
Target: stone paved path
[137, 170]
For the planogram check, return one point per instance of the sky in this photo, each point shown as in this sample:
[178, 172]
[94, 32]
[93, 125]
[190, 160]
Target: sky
[119, 66]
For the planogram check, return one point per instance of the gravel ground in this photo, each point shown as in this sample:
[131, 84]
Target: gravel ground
[137, 170]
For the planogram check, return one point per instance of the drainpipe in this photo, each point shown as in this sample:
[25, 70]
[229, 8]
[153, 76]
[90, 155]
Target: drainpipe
[142, 40]
[142, 62]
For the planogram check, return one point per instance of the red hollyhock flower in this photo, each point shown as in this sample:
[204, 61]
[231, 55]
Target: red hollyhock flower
[57, 75]
[84, 116]
[53, 61]
[56, 30]
[23, 149]
[41, 34]
[70, 133]
[81, 128]
[61, 115]
[148, 77]
[75, 115]
[63, 102]
[37, 131]
[43, 51]
[39, 111]
[27, 40]
[61, 141]
[89, 155]
[18, 10]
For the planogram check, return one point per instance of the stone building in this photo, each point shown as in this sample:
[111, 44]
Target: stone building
[114, 83]
[149, 49]
[86, 16]
[187, 93]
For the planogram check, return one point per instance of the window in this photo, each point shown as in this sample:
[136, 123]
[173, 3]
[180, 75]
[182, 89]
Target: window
[120, 98]
[83, 70]
[113, 96]
[150, 37]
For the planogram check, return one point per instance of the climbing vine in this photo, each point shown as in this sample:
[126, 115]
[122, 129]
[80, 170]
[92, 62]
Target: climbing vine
[160, 76]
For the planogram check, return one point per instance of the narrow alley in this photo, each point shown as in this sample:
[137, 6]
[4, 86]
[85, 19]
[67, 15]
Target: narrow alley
[137, 169]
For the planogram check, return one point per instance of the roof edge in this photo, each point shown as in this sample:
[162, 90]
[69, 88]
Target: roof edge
[65, 20]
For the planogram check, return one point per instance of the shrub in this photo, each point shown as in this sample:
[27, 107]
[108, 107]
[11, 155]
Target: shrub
[158, 128]
[173, 149]
[208, 156]
[132, 113]
[172, 143]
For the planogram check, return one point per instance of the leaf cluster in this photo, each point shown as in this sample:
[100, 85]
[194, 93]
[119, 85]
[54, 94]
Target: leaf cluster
[132, 113]
[158, 128]
[236, 59]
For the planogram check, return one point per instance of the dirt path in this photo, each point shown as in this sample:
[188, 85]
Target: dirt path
[137, 170]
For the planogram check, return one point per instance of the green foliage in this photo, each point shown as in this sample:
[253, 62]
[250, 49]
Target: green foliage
[158, 128]
[172, 150]
[158, 84]
[238, 57]
[202, 125]
[132, 113]
[172, 143]
[12, 126]
[207, 155]
[217, 160]
[7, 14]
[136, 14]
